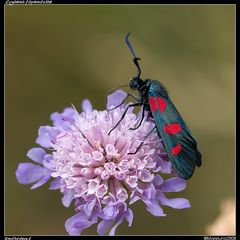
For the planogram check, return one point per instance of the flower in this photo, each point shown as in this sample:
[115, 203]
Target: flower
[225, 223]
[95, 170]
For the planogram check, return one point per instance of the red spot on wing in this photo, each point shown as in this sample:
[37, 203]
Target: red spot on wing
[177, 149]
[172, 128]
[161, 103]
[153, 104]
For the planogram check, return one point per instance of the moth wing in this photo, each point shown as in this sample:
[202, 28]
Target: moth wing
[185, 157]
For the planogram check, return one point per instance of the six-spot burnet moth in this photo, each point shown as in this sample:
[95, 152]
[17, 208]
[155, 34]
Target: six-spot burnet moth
[177, 138]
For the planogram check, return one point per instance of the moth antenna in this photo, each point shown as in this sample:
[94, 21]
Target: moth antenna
[129, 45]
[135, 59]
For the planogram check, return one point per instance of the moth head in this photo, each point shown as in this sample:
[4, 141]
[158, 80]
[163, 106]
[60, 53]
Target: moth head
[134, 83]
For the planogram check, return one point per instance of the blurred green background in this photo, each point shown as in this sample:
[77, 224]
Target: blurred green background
[58, 55]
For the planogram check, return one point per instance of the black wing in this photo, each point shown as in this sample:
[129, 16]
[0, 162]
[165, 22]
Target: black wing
[177, 138]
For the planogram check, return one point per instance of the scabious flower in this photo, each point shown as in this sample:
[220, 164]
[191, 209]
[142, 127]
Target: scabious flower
[95, 170]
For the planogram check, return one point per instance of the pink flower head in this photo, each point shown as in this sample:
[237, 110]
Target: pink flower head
[97, 170]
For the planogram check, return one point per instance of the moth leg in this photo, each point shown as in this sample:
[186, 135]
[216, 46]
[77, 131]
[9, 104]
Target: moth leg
[123, 115]
[139, 124]
[143, 141]
[124, 100]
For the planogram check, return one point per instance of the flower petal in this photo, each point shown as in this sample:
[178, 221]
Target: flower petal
[86, 105]
[41, 182]
[145, 175]
[27, 173]
[104, 226]
[55, 184]
[36, 154]
[63, 119]
[115, 98]
[47, 136]
[109, 212]
[88, 207]
[48, 163]
[129, 216]
[166, 167]
[119, 221]
[157, 181]
[77, 223]
[177, 203]
[154, 208]
[149, 192]
[133, 199]
[67, 198]
[68, 114]
[59, 121]
[175, 184]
